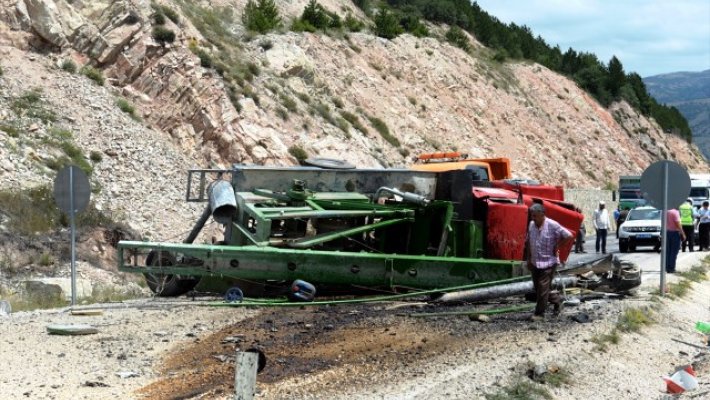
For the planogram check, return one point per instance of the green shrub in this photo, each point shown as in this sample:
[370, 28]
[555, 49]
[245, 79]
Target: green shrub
[31, 105]
[500, 55]
[457, 37]
[343, 125]
[365, 6]
[335, 21]
[299, 25]
[74, 153]
[298, 153]
[158, 18]
[1, 71]
[163, 35]
[353, 24]
[324, 111]
[384, 131]
[125, 106]
[304, 97]
[234, 97]
[132, 18]
[387, 25]
[30, 211]
[354, 121]
[696, 274]
[412, 24]
[11, 130]
[69, 66]
[288, 102]
[520, 390]
[248, 91]
[282, 113]
[679, 289]
[315, 15]
[171, 14]
[253, 69]
[93, 74]
[45, 259]
[95, 156]
[61, 134]
[261, 16]
[29, 99]
[205, 58]
[33, 211]
[603, 340]
[266, 45]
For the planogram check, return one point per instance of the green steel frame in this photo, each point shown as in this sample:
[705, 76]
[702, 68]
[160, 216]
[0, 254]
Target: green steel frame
[328, 267]
[339, 235]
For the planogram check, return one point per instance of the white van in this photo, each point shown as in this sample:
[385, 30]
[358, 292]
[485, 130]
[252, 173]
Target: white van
[699, 189]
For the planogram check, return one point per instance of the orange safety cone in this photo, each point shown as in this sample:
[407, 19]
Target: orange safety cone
[682, 380]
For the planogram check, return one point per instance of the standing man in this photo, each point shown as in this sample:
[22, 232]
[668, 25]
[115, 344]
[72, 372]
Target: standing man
[674, 235]
[704, 226]
[623, 214]
[601, 225]
[581, 233]
[687, 221]
[545, 238]
[617, 215]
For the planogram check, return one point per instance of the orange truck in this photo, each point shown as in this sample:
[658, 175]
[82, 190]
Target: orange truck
[484, 169]
[502, 202]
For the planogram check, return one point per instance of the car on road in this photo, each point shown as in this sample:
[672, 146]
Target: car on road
[642, 227]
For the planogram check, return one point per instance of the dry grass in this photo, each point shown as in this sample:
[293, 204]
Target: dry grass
[631, 320]
[521, 390]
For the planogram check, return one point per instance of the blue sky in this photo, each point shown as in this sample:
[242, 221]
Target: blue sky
[650, 37]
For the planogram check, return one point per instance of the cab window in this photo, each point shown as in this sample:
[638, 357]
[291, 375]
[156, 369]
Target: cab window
[479, 173]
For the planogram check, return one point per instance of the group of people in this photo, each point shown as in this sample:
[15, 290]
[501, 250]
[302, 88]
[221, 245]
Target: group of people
[689, 218]
[680, 231]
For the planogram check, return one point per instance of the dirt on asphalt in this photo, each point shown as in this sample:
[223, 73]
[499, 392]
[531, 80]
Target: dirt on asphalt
[311, 340]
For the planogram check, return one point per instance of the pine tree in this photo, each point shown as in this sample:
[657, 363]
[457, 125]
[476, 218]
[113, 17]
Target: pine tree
[617, 77]
[261, 16]
[387, 24]
[315, 14]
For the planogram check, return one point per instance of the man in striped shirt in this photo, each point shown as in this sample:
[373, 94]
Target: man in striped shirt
[545, 238]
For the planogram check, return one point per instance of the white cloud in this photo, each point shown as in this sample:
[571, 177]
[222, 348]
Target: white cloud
[649, 36]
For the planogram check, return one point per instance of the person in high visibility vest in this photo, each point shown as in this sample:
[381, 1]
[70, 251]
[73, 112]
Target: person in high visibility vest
[687, 220]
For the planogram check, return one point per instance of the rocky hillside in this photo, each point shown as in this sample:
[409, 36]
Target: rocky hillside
[689, 92]
[165, 106]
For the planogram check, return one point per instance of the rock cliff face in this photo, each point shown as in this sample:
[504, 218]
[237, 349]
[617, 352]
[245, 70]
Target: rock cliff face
[330, 95]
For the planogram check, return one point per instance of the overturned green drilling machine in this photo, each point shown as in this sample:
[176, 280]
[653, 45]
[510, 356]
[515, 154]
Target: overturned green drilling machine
[374, 228]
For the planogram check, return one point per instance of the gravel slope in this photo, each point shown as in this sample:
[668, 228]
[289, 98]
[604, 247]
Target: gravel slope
[131, 339]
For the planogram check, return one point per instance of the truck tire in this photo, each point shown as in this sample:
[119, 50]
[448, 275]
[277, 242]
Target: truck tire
[167, 285]
[623, 247]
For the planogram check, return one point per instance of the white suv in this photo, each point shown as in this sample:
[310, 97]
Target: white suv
[642, 227]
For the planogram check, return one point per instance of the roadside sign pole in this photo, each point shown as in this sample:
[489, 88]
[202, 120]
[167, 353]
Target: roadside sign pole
[665, 184]
[72, 193]
[73, 237]
[664, 235]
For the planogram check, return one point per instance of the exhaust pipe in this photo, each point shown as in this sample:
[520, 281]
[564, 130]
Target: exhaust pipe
[222, 201]
[222, 206]
[495, 292]
[406, 196]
